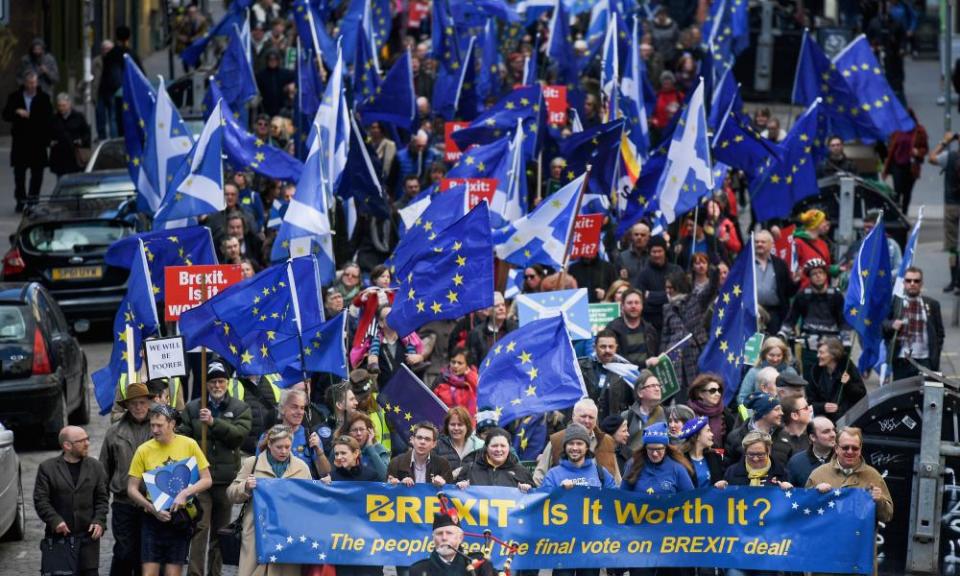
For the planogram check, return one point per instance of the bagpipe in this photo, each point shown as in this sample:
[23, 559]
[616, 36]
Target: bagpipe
[473, 563]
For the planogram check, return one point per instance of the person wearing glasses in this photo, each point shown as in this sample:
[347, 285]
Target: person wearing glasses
[916, 325]
[71, 497]
[646, 408]
[797, 414]
[419, 465]
[275, 459]
[767, 418]
[850, 470]
[757, 467]
[705, 398]
[373, 457]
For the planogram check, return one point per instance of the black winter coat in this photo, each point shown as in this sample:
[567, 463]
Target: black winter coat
[67, 134]
[31, 136]
[826, 387]
[736, 475]
[479, 472]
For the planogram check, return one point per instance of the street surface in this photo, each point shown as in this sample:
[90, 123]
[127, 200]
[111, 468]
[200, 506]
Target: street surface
[922, 89]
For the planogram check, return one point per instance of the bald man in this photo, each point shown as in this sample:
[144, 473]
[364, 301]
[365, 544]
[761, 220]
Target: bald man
[71, 497]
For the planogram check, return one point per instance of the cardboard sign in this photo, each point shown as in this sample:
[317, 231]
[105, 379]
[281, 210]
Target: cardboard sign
[586, 236]
[451, 152]
[667, 376]
[556, 100]
[165, 357]
[601, 314]
[183, 285]
[478, 189]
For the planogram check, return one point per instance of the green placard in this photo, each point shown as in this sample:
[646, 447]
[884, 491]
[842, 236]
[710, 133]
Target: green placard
[602, 314]
[751, 349]
[667, 376]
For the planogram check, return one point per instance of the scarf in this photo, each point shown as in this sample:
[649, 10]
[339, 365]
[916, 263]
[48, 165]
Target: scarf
[714, 416]
[448, 377]
[279, 468]
[757, 476]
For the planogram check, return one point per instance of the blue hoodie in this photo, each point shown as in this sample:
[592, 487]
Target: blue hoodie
[667, 477]
[588, 474]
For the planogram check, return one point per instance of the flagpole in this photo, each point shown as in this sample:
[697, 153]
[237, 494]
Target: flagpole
[753, 276]
[317, 53]
[693, 233]
[539, 177]
[566, 250]
[203, 372]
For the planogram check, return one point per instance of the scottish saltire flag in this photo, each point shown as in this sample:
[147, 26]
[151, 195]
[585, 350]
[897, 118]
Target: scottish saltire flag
[394, 100]
[525, 104]
[488, 76]
[859, 68]
[514, 285]
[793, 177]
[236, 15]
[600, 148]
[243, 322]
[573, 305]
[138, 311]
[407, 401]
[449, 277]
[629, 372]
[531, 437]
[168, 143]
[197, 186]
[531, 370]
[139, 100]
[542, 236]
[307, 222]
[244, 151]
[908, 253]
[686, 176]
[360, 185]
[320, 348]
[869, 294]
[734, 322]
[235, 72]
[633, 109]
[164, 483]
[636, 203]
[189, 246]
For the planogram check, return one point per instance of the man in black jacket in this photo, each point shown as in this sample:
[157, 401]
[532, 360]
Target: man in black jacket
[774, 285]
[30, 112]
[609, 390]
[653, 279]
[819, 311]
[446, 558]
[916, 325]
[71, 497]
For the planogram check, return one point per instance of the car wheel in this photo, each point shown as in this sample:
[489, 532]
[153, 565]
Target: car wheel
[51, 437]
[19, 527]
[81, 415]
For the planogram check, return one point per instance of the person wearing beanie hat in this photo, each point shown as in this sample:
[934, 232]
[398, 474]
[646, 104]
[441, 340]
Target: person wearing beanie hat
[615, 426]
[707, 463]
[658, 467]
[767, 418]
[487, 418]
[577, 466]
[809, 243]
[612, 424]
[602, 446]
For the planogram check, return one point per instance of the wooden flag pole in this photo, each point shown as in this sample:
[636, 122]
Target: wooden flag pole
[203, 372]
[566, 250]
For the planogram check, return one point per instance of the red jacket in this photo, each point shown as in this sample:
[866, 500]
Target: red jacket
[458, 390]
[661, 116]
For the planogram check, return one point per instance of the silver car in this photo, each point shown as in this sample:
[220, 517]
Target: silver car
[12, 512]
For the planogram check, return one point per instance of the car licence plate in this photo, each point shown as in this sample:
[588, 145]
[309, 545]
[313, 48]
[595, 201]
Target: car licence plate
[78, 273]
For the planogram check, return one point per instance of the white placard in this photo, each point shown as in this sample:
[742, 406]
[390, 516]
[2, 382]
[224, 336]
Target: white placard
[165, 358]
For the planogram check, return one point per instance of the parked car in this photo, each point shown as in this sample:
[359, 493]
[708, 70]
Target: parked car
[62, 239]
[110, 154]
[12, 510]
[43, 370]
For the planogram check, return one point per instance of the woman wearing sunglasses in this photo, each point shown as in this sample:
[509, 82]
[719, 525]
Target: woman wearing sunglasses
[705, 398]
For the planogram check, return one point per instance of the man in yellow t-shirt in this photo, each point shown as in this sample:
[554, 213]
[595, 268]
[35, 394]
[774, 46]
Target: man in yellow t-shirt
[165, 543]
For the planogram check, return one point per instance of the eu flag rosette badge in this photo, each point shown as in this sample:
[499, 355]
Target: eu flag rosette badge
[165, 482]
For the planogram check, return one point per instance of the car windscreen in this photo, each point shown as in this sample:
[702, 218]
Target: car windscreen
[73, 237]
[111, 156]
[13, 326]
[93, 189]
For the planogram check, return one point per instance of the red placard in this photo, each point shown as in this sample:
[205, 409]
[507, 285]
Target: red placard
[586, 236]
[418, 11]
[783, 246]
[556, 99]
[477, 188]
[183, 283]
[451, 152]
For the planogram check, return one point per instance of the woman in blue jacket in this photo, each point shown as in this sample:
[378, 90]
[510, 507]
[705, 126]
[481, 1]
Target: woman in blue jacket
[657, 467]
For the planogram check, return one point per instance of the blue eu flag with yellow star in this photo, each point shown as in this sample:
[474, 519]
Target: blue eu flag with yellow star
[450, 276]
[320, 348]
[869, 294]
[531, 370]
[406, 401]
[189, 246]
[138, 311]
[243, 322]
[525, 104]
[734, 322]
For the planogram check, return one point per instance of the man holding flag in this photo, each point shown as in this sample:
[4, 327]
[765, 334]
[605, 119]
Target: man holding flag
[915, 327]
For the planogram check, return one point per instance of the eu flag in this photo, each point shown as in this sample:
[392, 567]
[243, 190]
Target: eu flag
[860, 70]
[235, 73]
[366, 68]
[235, 16]
[734, 322]
[560, 46]
[138, 311]
[394, 100]
[532, 370]
[793, 177]
[525, 104]
[502, 160]
[600, 148]
[737, 144]
[632, 100]
[139, 100]
[243, 322]
[448, 277]
[406, 401]
[454, 93]
[321, 348]
[443, 210]
[244, 151]
[909, 250]
[190, 246]
[530, 436]
[168, 142]
[869, 294]
[488, 77]
[360, 184]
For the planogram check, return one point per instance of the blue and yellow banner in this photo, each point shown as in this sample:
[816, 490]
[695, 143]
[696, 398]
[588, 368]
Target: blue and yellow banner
[308, 522]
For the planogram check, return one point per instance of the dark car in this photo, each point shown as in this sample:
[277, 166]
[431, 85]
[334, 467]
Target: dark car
[110, 154]
[13, 516]
[43, 370]
[62, 239]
